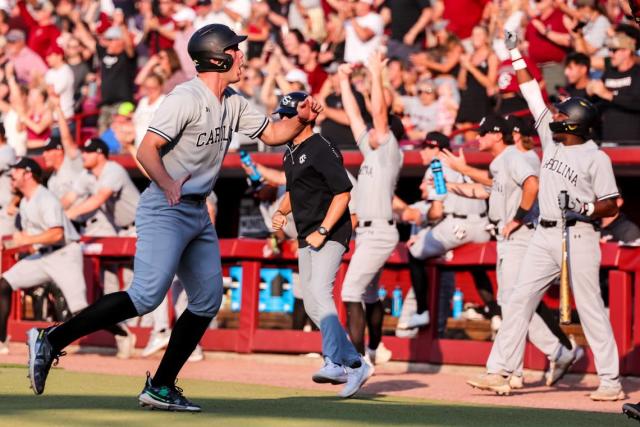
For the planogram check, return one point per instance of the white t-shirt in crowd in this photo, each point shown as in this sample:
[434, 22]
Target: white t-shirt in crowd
[355, 49]
[15, 138]
[62, 81]
[143, 115]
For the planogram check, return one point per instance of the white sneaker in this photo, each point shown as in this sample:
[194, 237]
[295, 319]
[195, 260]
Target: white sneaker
[197, 355]
[356, 377]
[157, 341]
[608, 393]
[380, 355]
[125, 345]
[559, 367]
[472, 314]
[331, 373]
[516, 382]
[369, 362]
[415, 321]
[4, 347]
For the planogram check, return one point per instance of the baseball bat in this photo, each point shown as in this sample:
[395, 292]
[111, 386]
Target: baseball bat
[565, 289]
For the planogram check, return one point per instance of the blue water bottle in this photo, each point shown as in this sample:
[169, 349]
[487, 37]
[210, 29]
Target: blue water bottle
[396, 307]
[254, 176]
[457, 304]
[438, 177]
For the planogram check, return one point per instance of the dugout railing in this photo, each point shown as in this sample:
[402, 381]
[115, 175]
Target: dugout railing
[623, 265]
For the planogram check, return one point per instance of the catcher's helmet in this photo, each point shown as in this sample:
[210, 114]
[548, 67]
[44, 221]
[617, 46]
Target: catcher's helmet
[581, 114]
[288, 105]
[210, 42]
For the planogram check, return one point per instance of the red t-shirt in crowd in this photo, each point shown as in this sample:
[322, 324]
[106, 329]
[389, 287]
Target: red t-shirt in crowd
[463, 15]
[316, 79]
[157, 41]
[541, 49]
[507, 80]
[40, 37]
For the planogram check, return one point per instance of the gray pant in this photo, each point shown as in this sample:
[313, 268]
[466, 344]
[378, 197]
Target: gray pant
[318, 268]
[541, 268]
[511, 255]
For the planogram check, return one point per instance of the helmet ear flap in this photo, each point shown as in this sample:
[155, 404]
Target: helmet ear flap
[225, 59]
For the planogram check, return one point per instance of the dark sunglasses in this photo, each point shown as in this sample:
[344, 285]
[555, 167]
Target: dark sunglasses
[420, 92]
[288, 116]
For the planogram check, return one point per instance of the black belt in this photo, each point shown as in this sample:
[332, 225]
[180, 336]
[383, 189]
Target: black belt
[193, 198]
[370, 223]
[48, 249]
[530, 225]
[544, 223]
[455, 215]
[126, 227]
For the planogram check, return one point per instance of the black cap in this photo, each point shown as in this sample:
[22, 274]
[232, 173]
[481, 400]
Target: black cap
[493, 123]
[53, 143]
[436, 139]
[29, 165]
[520, 125]
[96, 145]
[288, 105]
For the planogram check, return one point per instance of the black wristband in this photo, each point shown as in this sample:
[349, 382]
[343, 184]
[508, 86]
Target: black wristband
[520, 214]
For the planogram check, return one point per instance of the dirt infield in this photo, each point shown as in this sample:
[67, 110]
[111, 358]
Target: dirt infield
[427, 382]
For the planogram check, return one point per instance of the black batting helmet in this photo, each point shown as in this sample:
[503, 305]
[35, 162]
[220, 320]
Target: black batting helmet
[210, 42]
[288, 105]
[582, 116]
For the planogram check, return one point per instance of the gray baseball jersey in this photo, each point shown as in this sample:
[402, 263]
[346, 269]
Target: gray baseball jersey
[454, 203]
[44, 211]
[62, 181]
[198, 128]
[194, 121]
[377, 178]
[582, 170]
[120, 209]
[509, 171]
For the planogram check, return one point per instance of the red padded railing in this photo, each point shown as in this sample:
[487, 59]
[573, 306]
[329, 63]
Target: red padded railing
[624, 299]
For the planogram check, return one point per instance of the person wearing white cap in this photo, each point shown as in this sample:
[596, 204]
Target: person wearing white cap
[297, 79]
[184, 20]
[363, 31]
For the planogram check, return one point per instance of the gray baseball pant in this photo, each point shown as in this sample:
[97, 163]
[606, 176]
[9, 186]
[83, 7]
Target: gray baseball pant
[318, 268]
[540, 268]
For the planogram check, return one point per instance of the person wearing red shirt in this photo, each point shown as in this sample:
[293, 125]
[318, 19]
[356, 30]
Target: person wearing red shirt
[42, 32]
[308, 60]
[160, 28]
[545, 34]
[463, 15]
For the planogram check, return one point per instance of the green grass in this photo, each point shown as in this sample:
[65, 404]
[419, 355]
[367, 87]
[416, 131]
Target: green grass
[76, 399]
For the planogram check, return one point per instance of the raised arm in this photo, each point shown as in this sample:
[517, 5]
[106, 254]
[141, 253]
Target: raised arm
[68, 141]
[459, 164]
[349, 103]
[379, 110]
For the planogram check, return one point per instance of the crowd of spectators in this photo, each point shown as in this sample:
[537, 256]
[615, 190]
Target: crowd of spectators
[448, 63]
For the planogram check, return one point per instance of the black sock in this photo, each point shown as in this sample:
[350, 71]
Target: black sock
[116, 330]
[6, 294]
[299, 315]
[553, 324]
[185, 336]
[355, 324]
[104, 313]
[418, 275]
[375, 317]
[485, 290]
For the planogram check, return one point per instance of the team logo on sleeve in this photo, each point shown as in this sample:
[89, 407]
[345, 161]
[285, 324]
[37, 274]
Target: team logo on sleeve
[302, 158]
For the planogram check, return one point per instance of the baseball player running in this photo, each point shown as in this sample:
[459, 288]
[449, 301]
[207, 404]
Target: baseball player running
[513, 177]
[317, 197]
[577, 178]
[376, 233]
[182, 153]
[56, 255]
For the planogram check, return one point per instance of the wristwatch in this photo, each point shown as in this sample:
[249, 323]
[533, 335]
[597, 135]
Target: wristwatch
[323, 231]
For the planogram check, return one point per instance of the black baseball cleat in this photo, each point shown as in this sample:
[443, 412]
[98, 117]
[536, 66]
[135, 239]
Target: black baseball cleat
[41, 356]
[631, 410]
[165, 398]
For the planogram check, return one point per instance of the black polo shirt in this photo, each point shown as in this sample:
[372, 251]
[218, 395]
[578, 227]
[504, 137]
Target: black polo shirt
[315, 174]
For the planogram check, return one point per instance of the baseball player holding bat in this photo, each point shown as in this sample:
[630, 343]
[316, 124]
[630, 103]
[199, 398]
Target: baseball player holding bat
[511, 185]
[573, 163]
[318, 197]
[182, 153]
